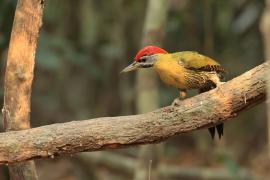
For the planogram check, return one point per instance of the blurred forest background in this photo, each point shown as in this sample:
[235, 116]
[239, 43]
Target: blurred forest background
[84, 44]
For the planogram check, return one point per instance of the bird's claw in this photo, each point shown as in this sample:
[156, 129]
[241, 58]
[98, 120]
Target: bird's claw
[176, 102]
[182, 95]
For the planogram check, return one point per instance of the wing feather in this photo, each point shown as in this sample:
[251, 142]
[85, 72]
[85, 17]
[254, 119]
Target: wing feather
[195, 61]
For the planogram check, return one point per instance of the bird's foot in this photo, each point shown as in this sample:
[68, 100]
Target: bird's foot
[182, 95]
[176, 102]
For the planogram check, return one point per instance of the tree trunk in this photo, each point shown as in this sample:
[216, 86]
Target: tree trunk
[19, 76]
[265, 29]
[147, 90]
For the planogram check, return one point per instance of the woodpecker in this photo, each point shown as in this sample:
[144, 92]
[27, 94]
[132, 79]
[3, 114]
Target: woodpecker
[184, 70]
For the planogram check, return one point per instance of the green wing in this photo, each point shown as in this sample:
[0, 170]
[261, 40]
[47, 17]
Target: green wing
[195, 61]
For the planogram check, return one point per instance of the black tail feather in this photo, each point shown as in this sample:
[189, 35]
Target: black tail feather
[220, 128]
[212, 132]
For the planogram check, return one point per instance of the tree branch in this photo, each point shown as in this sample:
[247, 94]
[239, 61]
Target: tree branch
[19, 76]
[201, 111]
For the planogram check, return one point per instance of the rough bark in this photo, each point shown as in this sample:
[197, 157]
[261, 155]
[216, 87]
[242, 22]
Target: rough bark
[265, 29]
[201, 111]
[19, 76]
[147, 86]
[126, 165]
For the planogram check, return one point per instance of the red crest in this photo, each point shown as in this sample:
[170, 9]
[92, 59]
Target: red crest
[149, 50]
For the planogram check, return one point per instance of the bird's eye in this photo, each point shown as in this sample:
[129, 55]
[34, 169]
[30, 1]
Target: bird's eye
[143, 60]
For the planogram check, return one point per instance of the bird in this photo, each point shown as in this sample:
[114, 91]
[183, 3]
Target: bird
[184, 70]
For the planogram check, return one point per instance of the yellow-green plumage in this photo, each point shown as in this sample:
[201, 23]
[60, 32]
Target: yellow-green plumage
[190, 70]
[187, 70]
[183, 70]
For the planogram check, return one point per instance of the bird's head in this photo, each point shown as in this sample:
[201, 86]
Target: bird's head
[145, 58]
